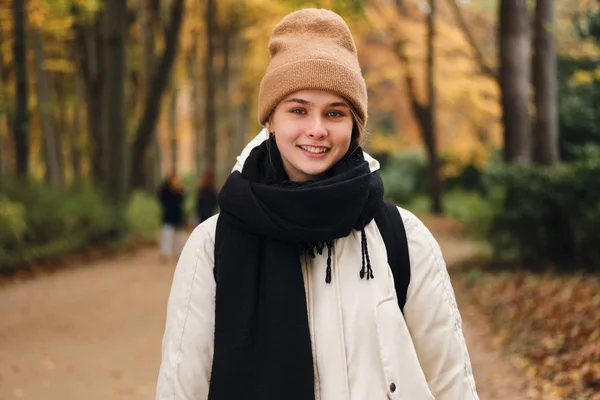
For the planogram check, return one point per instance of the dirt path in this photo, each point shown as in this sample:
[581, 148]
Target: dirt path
[90, 333]
[495, 376]
[94, 333]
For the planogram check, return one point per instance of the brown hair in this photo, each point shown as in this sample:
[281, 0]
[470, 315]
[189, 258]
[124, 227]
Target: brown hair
[359, 132]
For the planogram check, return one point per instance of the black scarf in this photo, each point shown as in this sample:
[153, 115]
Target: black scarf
[262, 347]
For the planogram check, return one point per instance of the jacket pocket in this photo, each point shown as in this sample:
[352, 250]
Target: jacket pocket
[402, 371]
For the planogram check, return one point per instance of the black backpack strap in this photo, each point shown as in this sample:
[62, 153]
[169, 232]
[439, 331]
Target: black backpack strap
[392, 230]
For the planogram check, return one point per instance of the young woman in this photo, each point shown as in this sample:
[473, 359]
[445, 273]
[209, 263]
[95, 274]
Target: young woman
[287, 293]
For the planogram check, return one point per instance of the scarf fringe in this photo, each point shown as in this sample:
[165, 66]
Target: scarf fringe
[310, 249]
[365, 256]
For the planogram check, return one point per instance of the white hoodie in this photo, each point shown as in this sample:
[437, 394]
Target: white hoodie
[364, 348]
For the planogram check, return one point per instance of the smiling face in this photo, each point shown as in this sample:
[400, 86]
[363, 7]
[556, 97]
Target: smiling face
[313, 131]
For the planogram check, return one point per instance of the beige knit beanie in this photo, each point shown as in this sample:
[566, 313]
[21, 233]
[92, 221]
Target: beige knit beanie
[312, 49]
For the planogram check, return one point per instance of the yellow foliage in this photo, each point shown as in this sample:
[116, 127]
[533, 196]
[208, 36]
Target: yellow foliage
[585, 77]
[36, 12]
[59, 65]
[468, 110]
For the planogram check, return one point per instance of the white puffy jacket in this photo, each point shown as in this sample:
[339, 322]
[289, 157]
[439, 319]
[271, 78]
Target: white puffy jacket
[363, 347]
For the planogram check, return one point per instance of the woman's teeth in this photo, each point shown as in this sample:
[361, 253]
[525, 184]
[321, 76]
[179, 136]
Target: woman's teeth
[315, 150]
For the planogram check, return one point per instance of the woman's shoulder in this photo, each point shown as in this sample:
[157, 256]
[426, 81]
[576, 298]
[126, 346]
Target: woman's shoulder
[206, 230]
[202, 238]
[415, 229]
[410, 220]
[199, 248]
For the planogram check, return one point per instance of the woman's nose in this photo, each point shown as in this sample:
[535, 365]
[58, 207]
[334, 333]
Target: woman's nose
[317, 129]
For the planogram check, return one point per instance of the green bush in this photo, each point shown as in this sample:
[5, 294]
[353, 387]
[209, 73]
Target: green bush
[549, 215]
[475, 210]
[579, 116]
[405, 178]
[39, 222]
[469, 179]
[143, 215]
[12, 223]
[57, 221]
[578, 100]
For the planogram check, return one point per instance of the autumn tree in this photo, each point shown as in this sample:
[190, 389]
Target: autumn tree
[21, 117]
[513, 78]
[210, 122]
[115, 12]
[233, 48]
[89, 59]
[149, 21]
[545, 130]
[51, 145]
[196, 102]
[76, 139]
[5, 101]
[424, 110]
[427, 116]
[514, 74]
[153, 100]
[172, 111]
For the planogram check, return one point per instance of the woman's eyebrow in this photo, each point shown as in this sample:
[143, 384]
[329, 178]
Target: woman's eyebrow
[308, 103]
[301, 101]
[339, 104]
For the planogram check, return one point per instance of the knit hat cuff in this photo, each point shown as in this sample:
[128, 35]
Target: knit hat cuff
[315, 74]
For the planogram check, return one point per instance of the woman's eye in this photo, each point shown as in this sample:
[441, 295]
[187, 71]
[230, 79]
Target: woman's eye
[299, 111]
[334, 114]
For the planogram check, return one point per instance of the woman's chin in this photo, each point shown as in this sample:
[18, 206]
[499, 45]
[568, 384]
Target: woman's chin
[313, 171]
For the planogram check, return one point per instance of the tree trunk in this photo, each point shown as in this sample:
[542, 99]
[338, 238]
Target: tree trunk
[148, 13]
[21, 118]
[154, 162]
[429, 126]
[114, 97]
[173, 129]
[242, 130]
[3, 148]
[49, 140]
[95, 117]
[196, 105]
[3, 117]
[90, 61]
[59, 118]
[210, 144]
[3, 169]
[545, 131]
[236, 129]
[425, 114]
[229, 75]
[514, 56]
[76, 130]
[145, 130]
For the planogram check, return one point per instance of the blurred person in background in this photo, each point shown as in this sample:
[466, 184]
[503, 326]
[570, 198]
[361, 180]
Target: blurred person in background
[206, 198]
[171, 197]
